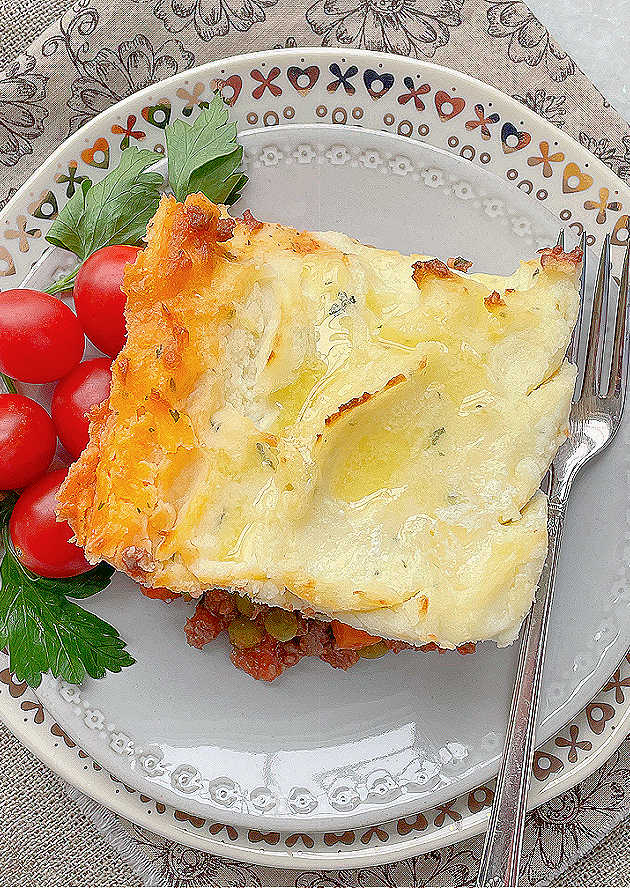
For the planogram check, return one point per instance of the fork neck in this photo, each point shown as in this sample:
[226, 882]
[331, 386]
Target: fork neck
[559, 485]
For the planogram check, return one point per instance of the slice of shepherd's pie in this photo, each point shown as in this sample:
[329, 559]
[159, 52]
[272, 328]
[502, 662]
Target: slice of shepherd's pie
[330, 428]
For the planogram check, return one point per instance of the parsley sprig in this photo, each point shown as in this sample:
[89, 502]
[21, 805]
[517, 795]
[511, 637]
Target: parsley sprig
[114, 211]
[45, 631]
[205, 156]
[202, 156]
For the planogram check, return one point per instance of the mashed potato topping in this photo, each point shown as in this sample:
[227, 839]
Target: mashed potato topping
[331, 428]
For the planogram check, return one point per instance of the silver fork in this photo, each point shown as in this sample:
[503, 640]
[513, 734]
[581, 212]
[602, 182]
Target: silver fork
[594, 420]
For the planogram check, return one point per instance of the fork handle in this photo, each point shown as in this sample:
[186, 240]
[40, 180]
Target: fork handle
[502, 849]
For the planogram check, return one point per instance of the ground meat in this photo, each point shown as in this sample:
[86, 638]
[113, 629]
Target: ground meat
[314, 637]
[202, 627]
[213, 615]
[468, 648]
[340, 659]
[269, 658]
[221, 604]
[264, 661]
[432, 646]
[396, 647]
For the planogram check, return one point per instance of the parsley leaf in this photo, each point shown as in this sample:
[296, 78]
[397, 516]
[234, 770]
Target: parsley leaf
[205, 156]
[44, 631]
[115, 210]
[217, 179]
[83, 585]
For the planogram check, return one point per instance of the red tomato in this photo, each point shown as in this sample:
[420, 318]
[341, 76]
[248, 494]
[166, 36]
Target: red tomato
[83, 388]
[27, 441]
[40, 338]
[42, 543]
[99, 300]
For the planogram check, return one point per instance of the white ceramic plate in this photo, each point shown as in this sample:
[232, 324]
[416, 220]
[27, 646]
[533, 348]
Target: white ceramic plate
[319, 749]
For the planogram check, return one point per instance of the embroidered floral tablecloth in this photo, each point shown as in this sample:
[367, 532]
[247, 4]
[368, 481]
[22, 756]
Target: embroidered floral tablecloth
[97, 53]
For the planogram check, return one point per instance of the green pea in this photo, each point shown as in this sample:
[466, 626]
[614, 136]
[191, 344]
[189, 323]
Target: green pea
[244, 633]
[373, 651]
[244, 605]
[280, 624]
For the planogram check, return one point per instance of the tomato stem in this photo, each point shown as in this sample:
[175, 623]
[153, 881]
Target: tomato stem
[9, 384]
[9, 551]
[65, 283]
[7, 542]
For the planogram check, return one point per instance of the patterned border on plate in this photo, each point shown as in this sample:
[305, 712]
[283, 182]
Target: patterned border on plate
[567, 758]
[418, 101]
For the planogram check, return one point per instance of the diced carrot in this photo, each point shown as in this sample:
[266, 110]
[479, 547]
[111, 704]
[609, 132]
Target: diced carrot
[160, 593]
[350, 639]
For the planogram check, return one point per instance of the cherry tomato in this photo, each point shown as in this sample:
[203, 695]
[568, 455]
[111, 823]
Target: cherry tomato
[99, 300]
[27, 441]
[42, 543]
[40, 338]
[83, 388]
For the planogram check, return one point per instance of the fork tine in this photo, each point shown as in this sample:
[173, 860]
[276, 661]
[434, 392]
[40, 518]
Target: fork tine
[595, 348]
[560, 241]
[574, 345]
[619, 364]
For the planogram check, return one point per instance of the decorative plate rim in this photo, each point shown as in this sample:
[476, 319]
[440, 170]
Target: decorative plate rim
[284, 56]
[316, 52]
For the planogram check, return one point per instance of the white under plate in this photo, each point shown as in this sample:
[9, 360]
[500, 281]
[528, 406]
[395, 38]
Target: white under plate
[320, 749]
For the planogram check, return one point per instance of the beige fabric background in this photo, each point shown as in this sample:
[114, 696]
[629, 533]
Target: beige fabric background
[45, 838]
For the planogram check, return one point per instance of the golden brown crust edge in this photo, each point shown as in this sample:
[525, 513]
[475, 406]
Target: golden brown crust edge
[180, 237]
